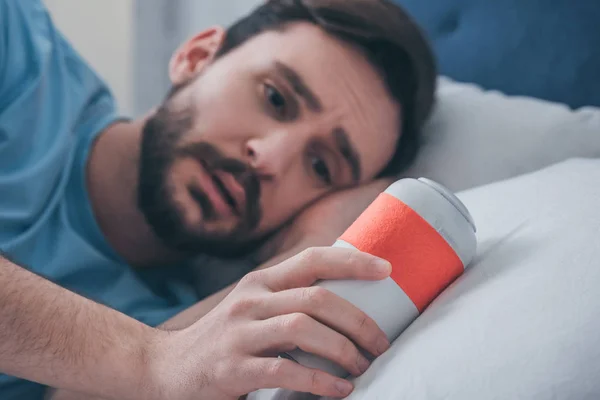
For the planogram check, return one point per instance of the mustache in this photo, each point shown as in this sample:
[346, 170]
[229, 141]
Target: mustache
[213, 160]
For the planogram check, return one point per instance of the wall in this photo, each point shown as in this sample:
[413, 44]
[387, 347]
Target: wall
[161, 26]
[103, 32]
[130, 42]
[202, 14]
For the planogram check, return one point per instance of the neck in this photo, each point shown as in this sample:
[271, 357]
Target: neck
[112, 178]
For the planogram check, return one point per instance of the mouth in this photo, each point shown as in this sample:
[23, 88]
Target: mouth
[226, 194]
[228, 188]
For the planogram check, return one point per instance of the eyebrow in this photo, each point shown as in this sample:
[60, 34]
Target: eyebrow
[300, 87]
[342, 142]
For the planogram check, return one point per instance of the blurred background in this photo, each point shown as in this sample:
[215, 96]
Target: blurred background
[545, 49]
[129, 42]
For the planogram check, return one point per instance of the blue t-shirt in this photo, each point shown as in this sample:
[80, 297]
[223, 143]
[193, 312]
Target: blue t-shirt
[52, 108]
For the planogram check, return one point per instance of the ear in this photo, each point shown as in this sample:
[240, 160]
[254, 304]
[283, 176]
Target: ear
[195, 54]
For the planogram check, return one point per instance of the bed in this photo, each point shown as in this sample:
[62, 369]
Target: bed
[516, 134]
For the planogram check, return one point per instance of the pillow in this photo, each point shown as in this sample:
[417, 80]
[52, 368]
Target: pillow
[523, 321]
[546, 49]
[475, 137]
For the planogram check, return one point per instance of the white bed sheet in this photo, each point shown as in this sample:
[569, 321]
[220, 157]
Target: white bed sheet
[524, 321]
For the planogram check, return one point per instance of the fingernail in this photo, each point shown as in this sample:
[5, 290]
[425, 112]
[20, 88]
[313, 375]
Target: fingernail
[344, 387]
[382, 345]
[383, 266]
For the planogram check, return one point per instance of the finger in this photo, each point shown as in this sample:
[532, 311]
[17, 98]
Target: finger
[273, 373]
[320, 263]
[288, 332]
[329, 309]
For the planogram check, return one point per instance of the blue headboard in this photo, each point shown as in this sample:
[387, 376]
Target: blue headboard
[548, 49]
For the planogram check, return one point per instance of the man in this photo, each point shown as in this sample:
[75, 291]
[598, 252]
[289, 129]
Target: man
[270, 127]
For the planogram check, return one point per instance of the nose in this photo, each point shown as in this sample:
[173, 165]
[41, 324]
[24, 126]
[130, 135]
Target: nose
[271, 156]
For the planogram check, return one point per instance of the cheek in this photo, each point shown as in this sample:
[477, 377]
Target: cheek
[225, 108]
[286, 199]
[221, 126]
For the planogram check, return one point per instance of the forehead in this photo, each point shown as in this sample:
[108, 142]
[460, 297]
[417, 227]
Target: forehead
[352, 92]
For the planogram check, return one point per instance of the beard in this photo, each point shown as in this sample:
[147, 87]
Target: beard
[160, 150]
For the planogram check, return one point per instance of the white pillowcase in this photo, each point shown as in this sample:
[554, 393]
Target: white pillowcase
[475, 137]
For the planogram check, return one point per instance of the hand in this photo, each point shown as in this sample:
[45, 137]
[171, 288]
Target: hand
[233, 350]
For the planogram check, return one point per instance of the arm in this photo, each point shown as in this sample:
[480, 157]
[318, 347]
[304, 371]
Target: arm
[48, 334]
[338, 211]
[232, 351]
[55, 337]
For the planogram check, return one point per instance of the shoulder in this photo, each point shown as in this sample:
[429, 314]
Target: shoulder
[52, 103]
[17, 11]
[42, 75]
[26, 41]
[21, 21]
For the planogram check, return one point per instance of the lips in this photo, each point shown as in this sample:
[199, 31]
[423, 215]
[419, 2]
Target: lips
[230, 189]
[226, 194]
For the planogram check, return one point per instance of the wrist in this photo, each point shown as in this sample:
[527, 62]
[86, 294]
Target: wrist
[173, 368]
[149, 363]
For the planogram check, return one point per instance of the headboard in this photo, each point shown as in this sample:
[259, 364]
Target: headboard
[549, 49]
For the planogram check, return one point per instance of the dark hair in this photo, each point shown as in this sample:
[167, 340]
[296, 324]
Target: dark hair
[393, 42]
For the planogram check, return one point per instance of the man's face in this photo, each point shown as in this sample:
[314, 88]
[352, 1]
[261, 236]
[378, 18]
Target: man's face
[253, 137]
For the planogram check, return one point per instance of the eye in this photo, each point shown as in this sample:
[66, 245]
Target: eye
[275, 99]
[321, 169]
